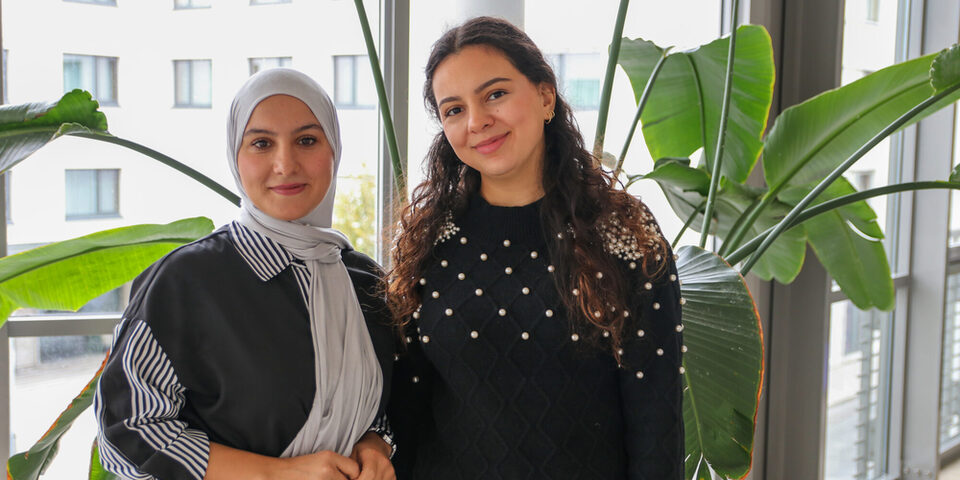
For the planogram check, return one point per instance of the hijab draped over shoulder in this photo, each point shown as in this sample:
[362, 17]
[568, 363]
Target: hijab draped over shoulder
[348, 376]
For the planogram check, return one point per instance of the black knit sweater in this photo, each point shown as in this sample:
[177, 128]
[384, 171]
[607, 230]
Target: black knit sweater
[498, 383]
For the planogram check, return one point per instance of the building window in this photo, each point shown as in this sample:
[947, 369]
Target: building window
[95, 2]
[353, 83]
[188, 4]
[263, 63]
[579, 78]
[873, 11]
[192, 83]
[268, 2]
[97, 75]
[92, 193]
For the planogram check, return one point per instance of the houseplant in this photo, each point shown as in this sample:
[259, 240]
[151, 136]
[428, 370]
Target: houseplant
[724, 361]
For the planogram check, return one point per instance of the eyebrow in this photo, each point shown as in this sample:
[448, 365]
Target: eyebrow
[476, 90]
[262, 131]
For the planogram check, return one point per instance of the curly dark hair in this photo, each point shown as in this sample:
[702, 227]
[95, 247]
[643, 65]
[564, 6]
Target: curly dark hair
[580, 199]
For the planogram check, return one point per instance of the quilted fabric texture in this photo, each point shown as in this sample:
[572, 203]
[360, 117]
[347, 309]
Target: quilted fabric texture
[497, 383]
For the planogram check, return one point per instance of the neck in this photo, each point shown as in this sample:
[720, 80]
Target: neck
[510, 194]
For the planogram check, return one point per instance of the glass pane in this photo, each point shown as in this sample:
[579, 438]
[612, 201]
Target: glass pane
[950, 397]
[107, 186]
[181, 69]
[78, 72]
[366, 87]
[81, 190]
[857, 393]
[343, 80]
[201, 83]
[47, 373]
[869, 44]
[107, 80]
[581, 80]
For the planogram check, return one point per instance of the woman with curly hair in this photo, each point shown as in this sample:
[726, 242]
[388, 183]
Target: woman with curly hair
[541, 304]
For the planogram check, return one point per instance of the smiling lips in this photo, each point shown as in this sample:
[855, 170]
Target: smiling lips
[288, 188]
[491, 145]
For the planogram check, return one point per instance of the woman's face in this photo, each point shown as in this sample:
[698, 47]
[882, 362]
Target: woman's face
[285, 161]
[492, 115]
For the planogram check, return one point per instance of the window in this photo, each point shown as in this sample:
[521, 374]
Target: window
[189, 4]
[97, 75]
[579, 77]
[96, 2]
[263, 63]
[192, 83]
[873, 11]
[353, 84]
[92, 193]
[268, 2]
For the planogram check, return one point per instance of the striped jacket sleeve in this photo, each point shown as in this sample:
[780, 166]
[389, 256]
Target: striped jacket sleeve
[137, 404]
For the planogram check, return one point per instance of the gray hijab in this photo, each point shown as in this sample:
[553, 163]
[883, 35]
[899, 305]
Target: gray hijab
[348, 377]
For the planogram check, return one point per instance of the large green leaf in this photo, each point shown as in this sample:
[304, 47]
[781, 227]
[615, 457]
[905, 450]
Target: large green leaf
[809, 140]
[31, 464]
[848, 242]
[26, 128]
[97, 472]
[66, 275]
[683, 111]
[723, 361]
[685, 188]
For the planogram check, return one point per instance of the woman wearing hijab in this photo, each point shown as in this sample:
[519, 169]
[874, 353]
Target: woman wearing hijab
[260, 350]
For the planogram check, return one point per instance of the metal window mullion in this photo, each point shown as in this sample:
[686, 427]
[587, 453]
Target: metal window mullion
[395, 58]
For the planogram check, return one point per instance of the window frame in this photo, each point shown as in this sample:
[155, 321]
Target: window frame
[114, 62]
[354, 103]
[191, 5]
[190, 62]
[98, 212]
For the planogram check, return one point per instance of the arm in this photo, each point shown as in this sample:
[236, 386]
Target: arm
[137, 404]
[410, 403]
[651, 383]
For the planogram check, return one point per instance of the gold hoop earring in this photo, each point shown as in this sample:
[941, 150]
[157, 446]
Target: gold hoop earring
[549, 119]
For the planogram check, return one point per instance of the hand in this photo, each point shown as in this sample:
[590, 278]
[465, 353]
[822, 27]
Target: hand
[324, 465]
[373, 455]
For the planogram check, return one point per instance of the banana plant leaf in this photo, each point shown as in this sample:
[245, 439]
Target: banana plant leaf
[683, 111]
[723, 362]
[849, 243]
[26, 128]
[97, 472]
[31, 464]
[809, 140]
[66, 275]
[685, 188]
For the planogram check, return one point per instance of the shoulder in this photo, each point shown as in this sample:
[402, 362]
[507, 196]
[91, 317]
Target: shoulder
[193, 268]
[366, 275]
[631, 234]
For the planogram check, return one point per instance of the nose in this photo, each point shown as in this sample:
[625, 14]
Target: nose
[285, 161]
[479, 119]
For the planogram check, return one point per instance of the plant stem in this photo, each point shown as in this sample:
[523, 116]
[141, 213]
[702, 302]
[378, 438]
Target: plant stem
[199, 177]
[838, 202]
[608, 79]
[837, 172]
[721, 134]
[686, 225]
[642, 103]
[399, 173]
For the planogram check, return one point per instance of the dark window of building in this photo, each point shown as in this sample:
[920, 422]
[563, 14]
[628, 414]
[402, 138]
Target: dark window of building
[92, 193]
[263, 63]
[353, 84]
[192, 83]
[95, 74]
